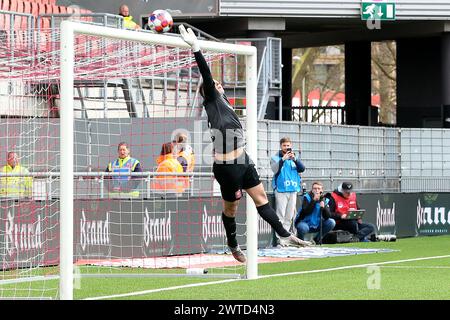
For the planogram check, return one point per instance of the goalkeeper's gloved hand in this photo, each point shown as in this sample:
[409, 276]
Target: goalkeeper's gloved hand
[190, 38]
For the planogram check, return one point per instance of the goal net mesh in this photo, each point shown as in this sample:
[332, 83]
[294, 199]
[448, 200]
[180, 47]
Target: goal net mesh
[140, 218]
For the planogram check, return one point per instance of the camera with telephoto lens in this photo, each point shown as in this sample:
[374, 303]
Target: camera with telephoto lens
[383, 237]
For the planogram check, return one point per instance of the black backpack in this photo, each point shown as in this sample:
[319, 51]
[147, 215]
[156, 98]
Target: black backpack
[339, 236]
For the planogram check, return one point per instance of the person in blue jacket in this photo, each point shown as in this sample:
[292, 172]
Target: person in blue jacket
[314, 214]
[286, 183]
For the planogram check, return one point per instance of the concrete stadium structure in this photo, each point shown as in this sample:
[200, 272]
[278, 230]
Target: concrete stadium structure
[421, 31]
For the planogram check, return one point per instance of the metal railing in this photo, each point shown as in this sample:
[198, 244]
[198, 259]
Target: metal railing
[10, 35]
[46, 185]
[319, 114]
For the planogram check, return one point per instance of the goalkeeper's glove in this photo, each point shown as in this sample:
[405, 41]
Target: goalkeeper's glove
[190, 38]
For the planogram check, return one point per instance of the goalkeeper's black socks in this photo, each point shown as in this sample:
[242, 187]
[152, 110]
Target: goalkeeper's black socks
[268, 214]
[230, 230]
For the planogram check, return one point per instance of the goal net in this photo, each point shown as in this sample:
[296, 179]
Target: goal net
[113, 176]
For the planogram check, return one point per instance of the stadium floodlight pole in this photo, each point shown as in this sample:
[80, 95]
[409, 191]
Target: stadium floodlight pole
[68, 31]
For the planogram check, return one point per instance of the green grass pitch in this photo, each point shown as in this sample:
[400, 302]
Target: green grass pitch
[333, 278]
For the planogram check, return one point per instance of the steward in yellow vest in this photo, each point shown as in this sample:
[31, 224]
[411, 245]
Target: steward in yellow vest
[15, 186]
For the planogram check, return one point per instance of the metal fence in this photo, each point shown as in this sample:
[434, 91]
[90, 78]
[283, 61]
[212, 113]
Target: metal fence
[373, 158]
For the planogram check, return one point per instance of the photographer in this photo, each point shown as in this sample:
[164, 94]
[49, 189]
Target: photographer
[286, 166]
[314, 214]
[342, 200]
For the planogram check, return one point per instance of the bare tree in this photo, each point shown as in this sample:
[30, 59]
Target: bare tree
[306, 75]
[384, 79]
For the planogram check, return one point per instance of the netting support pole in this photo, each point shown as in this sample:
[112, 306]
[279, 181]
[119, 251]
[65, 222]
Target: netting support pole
[252, 148]
[66, 149]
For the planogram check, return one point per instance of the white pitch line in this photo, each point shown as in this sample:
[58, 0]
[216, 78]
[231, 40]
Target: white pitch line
[417, 267]
[138, 293]
[351, 267]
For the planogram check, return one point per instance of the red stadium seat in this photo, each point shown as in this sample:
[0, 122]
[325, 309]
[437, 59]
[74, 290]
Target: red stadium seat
[5, 5]
[62, 9]
[18, 5]
[45, 21]
[27, 7]
[13, 5]
[54, 8]
[48, 8]
[4, 18]
[34, 8]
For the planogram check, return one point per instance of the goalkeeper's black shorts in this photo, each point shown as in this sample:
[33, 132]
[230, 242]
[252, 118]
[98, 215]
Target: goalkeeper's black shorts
[236, 175]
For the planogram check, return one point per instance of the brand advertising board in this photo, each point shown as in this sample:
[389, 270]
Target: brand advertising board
[390, 213]
[433, 214]
[118, 228]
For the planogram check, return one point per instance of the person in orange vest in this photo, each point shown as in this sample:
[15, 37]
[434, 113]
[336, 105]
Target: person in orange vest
[168, 163]
[185, 155]
[341, 201]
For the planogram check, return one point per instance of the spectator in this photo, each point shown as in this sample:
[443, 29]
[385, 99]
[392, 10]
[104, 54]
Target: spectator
[185, 155]
[128, 22]
[184, 152]
[15, 186]
[286, 182]
[167, 163]
[314, 214]
[341, 201]
[124, 184]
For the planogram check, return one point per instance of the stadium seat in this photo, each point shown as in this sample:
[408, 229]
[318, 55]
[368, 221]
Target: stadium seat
[34, 8]
[27, 7]
[55, 9]
[48, 8]
[44, 21]
[13, 5]
[4, 19]
[4, 6]
[62, 9]
[18, 20]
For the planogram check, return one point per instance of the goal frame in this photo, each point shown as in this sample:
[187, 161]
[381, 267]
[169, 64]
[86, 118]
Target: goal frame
[68, 31]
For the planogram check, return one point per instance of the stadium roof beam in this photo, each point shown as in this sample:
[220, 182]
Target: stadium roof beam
[390, 31]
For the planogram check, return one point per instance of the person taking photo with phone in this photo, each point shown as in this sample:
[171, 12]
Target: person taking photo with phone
[286, 166]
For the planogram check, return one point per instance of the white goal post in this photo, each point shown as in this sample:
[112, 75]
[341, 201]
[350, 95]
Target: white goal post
[68, 31]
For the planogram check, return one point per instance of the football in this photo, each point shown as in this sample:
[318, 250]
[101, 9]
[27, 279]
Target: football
[160, 21]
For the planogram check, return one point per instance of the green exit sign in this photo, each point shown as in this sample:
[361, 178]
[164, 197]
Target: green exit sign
[377, 10]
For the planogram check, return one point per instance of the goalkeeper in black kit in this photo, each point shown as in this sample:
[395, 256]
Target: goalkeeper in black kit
[232, 168]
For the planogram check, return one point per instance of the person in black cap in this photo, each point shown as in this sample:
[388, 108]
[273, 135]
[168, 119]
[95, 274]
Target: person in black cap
[341, 201]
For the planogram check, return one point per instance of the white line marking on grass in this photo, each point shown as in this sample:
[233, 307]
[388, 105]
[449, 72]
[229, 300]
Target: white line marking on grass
[417, 267]
[138, 293]
[351, 267]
